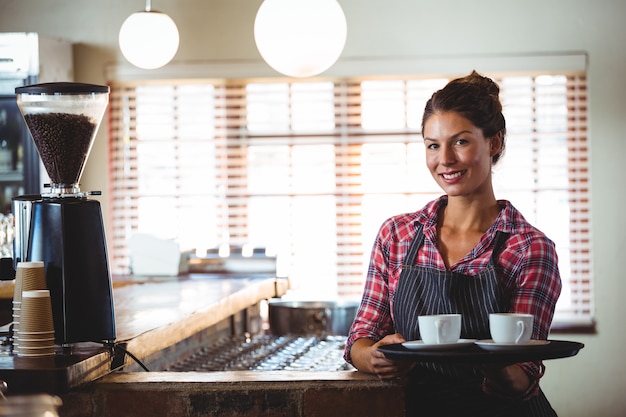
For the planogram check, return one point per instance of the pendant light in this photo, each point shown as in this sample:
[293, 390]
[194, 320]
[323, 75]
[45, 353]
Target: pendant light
[149, 39]
[300, 38]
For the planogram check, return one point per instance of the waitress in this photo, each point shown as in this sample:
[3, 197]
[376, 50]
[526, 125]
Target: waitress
[465, 252]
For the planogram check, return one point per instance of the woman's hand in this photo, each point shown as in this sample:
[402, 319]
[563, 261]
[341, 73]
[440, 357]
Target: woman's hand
[509, 380]
[367, 358]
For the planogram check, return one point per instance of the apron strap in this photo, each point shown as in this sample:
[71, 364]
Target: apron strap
[409, 259]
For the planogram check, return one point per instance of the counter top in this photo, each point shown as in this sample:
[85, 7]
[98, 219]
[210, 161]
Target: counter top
[158, 313]
[151, 314]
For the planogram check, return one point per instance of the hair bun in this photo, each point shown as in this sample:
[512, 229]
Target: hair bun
[484, 83]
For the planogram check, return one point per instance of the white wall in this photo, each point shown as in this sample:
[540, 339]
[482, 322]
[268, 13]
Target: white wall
[590, 384]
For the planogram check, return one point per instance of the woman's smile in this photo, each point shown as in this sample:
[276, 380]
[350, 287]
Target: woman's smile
[452, 176]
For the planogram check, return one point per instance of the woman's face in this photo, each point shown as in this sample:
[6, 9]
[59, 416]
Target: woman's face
[458, 155]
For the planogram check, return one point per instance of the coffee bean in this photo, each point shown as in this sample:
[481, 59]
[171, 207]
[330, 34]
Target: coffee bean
[63, 142]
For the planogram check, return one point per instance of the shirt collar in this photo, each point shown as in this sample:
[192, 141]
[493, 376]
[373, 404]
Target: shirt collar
[509, 219]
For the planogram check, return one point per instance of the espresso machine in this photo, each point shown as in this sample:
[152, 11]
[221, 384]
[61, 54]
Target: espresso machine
[64, 227]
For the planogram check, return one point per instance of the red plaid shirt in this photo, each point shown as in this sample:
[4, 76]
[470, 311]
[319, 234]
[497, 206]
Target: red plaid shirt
[528, 271]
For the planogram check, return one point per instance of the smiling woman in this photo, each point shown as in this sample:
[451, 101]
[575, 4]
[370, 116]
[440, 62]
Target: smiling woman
[309, 169]
[463, 256]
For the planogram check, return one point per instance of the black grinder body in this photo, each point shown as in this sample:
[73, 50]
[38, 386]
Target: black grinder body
[67, 234]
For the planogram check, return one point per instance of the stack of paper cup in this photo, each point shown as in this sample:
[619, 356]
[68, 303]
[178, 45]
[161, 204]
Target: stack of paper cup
[36, 333]
[28, 276]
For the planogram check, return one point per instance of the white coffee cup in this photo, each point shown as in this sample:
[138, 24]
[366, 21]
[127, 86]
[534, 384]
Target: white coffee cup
[511, 328]
[440, 328]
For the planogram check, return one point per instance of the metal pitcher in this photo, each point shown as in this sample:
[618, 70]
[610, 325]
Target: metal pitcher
[22, 209]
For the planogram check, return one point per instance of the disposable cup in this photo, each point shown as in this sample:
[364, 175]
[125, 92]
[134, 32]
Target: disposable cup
[36, 314]
[33, 275]
[28, 276]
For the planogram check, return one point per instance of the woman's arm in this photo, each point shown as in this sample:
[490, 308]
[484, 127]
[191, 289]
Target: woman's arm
[536, 289]
[373, 319]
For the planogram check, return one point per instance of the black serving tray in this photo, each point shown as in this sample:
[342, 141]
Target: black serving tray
[475, 354]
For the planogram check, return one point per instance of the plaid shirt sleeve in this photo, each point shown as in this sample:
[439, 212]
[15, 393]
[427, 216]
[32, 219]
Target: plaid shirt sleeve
[532, 279]
[374, 317]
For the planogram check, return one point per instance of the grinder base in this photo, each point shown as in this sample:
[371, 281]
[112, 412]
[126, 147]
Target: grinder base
[67, 234]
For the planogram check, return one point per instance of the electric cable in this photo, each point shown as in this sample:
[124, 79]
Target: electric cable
[127, 352]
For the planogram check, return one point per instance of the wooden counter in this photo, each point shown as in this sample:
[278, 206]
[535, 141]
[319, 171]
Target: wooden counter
[156, 315]
[151, 316]
[159, 318]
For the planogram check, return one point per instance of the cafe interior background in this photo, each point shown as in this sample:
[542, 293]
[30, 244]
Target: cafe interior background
[441, 39]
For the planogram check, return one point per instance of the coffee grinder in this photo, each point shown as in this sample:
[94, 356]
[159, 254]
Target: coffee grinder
[66, 229]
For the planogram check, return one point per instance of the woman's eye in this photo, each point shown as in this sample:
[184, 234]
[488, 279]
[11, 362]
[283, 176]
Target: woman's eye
[461, 141]
[432, 146]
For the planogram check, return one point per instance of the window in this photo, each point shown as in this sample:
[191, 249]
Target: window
[310, 169]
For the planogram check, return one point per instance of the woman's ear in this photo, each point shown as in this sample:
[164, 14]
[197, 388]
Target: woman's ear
[496, 144]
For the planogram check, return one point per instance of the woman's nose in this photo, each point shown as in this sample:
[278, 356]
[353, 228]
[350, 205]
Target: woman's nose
[448, 156]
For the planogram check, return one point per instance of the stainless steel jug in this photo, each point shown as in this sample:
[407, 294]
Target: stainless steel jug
[22, 210]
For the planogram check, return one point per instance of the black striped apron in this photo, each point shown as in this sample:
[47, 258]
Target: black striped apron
[437, 389]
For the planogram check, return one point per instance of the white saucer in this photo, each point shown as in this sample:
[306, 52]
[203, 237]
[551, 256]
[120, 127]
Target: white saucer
[420, 345]
[489, 344]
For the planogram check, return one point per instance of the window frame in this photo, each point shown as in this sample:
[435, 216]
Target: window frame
[232, 137]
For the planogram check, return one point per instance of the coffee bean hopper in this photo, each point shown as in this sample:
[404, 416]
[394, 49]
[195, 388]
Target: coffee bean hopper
[65, 227]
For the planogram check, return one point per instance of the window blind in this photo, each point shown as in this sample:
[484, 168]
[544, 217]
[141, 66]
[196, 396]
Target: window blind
[310, 169]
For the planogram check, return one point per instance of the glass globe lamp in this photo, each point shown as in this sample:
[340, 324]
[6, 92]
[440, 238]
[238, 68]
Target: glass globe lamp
[300, 38]
[149, 39]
